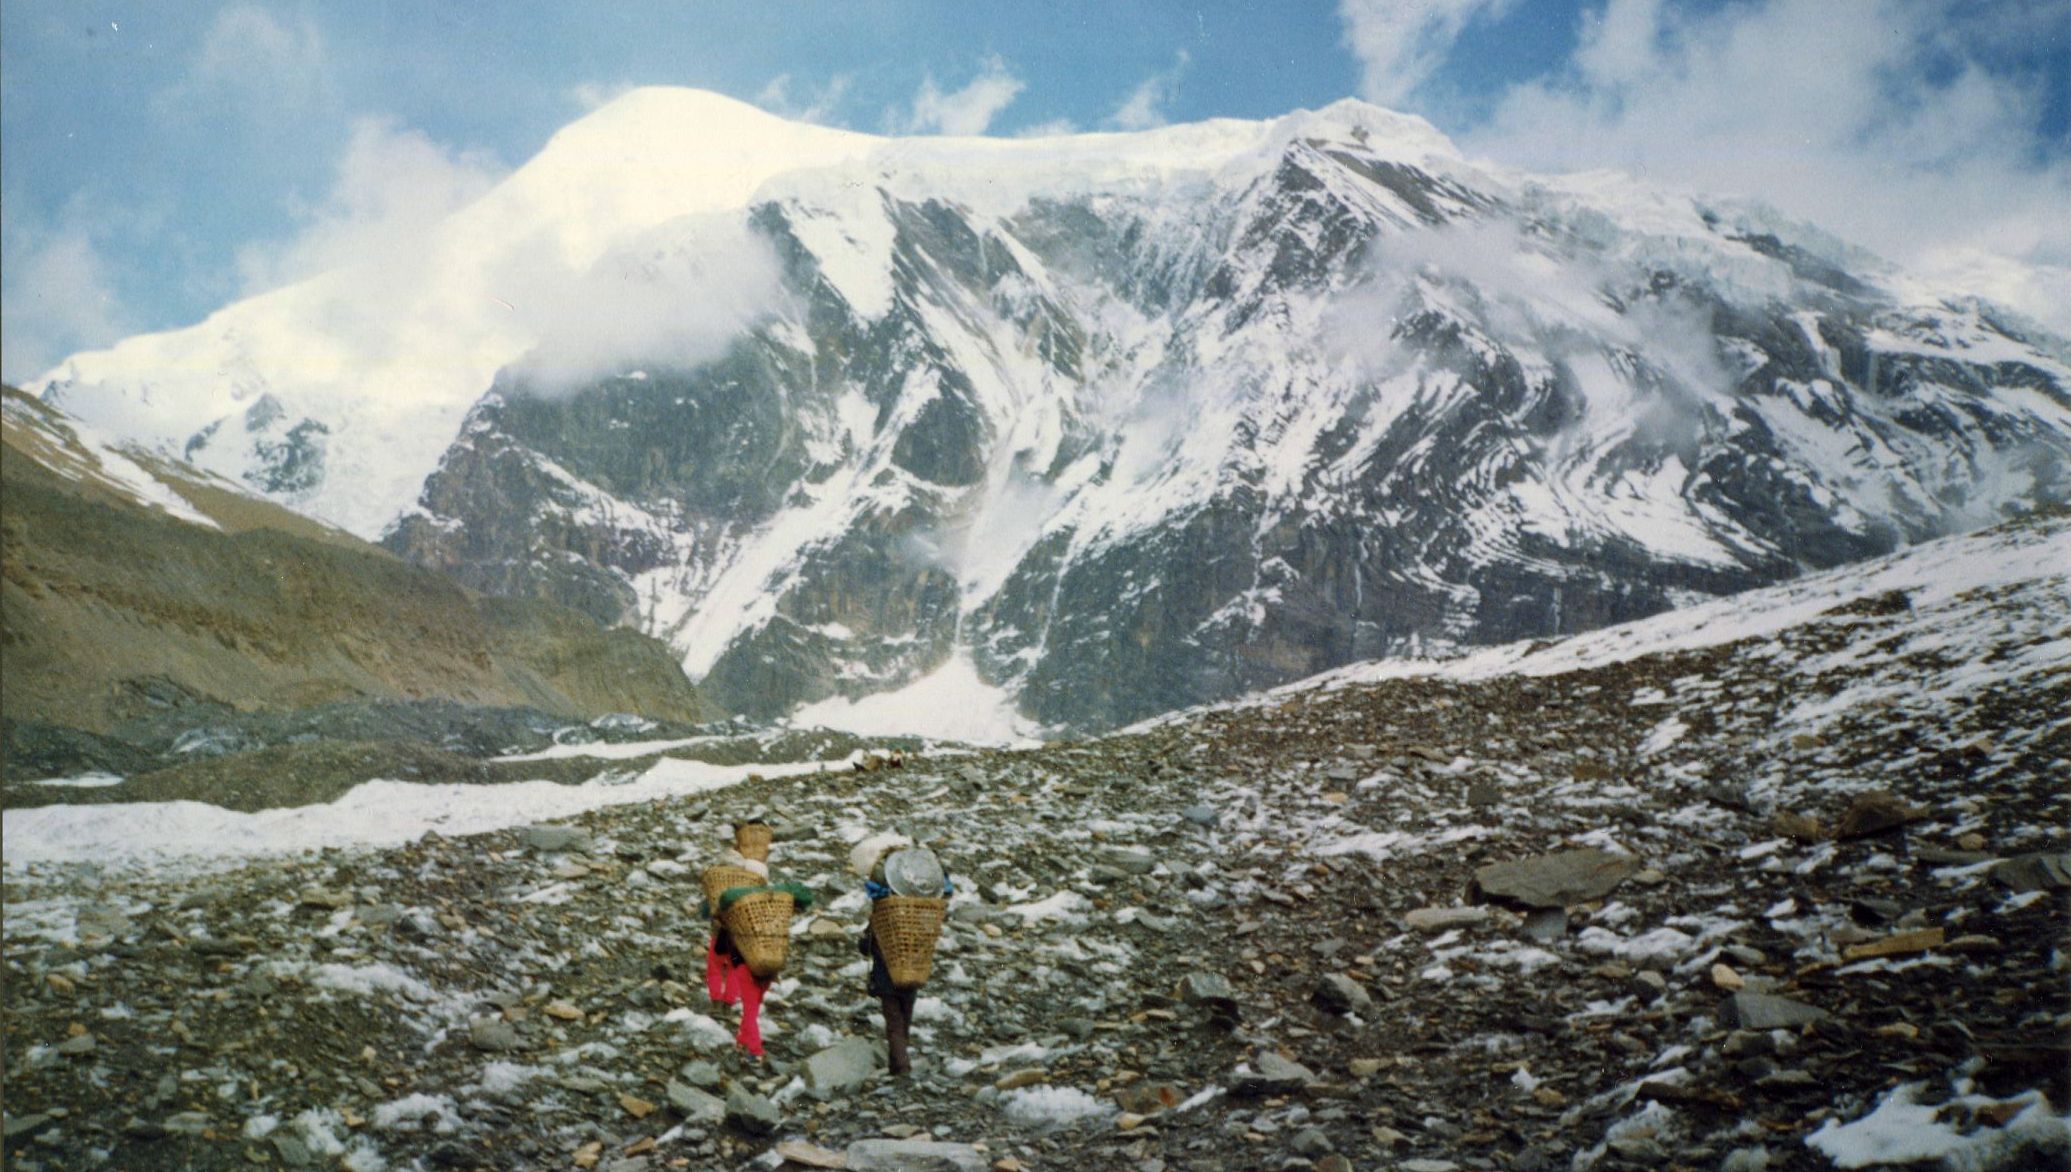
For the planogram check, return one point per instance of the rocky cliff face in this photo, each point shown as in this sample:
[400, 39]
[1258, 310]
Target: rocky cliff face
[1126, 421]
[1136, 445]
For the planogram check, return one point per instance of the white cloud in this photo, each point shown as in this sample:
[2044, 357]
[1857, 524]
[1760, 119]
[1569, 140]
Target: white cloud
[1400, 44]
[390, 188]
[594, 95]
[1144, 108]
[804, 104]
[58, 300]
[1875, 121]
[276, 68]
[967, 111]
[675, 298]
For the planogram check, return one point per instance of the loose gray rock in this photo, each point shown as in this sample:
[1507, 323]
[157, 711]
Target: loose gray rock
[914, 1155]
[24, 1124]
[1207, 817]
[1133, 860]
[1338, 993]
[1546, 925]
[847, 1063]
[1556, 880]
[697, 1107]
[493, 1033]
[1210, 989]
[293, 1152]
[1742, 1043]
[104, 919]
[1648, 985]
[751, 1112]
[1767, 1011]
[548, 839]
[1875, 813]
[1742, 954]
[2036, 872]
[1441, 919]
[699, 1073]
[323, 898]
[1270, 1074]
[585, 1084]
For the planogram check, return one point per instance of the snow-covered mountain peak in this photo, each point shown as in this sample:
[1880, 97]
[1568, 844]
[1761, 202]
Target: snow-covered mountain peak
[1125, 420]
[1385, 132]
[651, 155]
[666, 111]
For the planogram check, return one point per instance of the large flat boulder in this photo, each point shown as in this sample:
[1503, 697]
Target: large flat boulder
[1560, 879]
[1766, 1011]
[914, 1155]
[846, 1064]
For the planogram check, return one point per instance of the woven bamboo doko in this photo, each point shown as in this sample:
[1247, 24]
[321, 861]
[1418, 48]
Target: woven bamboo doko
[760, 927]
[905, 927]
[719, 877]
[753, 840]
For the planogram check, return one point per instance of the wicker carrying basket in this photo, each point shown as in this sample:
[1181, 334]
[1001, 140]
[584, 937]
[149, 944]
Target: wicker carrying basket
[905, 927]
[760, 927]
[753, 840]
[720, 877]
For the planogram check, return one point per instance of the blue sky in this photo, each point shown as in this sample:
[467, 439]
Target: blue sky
[160, 160]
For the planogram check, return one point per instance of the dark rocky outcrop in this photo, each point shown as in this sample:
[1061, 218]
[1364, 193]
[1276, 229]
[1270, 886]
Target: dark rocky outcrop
[1387, 433]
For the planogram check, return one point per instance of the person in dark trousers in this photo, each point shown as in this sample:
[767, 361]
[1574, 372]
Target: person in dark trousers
[897, 1004]
[867, 860]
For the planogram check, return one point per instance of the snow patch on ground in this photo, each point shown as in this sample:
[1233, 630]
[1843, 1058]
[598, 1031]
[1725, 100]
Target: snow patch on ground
[952, 703]
[1903, 1130]
[607, 751]
[376, 813]
[83, 781]
[1946, 583]
[1045, 1106]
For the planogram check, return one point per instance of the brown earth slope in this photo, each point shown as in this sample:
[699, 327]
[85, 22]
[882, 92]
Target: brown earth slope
[100, 590]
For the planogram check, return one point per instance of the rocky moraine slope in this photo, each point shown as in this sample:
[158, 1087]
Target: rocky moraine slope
[1780, 882]
[149, 611]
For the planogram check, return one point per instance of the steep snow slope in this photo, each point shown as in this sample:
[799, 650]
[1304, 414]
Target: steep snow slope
[1134, 421]
[1953, 593]
[338, 394]
[1142, 420]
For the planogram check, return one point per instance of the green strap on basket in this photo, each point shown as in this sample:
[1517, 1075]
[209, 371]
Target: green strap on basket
[801, 895]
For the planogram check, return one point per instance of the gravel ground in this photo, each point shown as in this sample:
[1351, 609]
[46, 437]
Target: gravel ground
[1775, 887]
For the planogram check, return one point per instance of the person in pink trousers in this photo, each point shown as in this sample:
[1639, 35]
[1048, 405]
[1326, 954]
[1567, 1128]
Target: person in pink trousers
[727, 979]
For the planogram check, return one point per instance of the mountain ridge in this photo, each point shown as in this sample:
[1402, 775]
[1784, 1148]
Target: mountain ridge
[1139, 420]
[132, 584]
